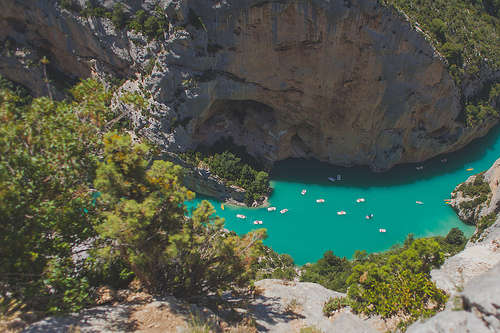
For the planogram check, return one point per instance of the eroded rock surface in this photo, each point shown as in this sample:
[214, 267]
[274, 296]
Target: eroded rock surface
[344, 82]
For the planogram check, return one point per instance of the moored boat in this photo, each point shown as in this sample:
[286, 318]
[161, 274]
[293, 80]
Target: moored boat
[331, 178]
[257, 222]
[271, 208]
[360, 200]
[320, 200]
[284, 210]
[419, 202]
[338, 177]
[241, 216]
[369, 216]
[470, 169]
[303, 192]
[341, 212]
[382, 230]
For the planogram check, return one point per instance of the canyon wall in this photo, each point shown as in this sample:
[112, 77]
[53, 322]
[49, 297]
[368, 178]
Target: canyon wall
[347, 82]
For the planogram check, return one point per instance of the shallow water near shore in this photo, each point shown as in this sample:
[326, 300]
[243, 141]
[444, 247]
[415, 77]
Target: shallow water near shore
[310, 228]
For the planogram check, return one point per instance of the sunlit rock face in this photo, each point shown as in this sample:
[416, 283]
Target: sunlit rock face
[347, 82]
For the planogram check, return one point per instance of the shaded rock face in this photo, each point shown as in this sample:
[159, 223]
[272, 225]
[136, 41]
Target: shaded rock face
[344, 82]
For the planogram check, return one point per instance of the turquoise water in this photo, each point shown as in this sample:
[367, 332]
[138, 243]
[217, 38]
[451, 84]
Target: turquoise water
[309, 228]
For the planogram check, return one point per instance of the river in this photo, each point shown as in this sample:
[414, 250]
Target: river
[309, 228]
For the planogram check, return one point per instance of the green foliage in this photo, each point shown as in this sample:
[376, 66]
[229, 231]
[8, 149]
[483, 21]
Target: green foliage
[464, 32]
[150, 66]
[274, 266]
[402, 283]
[48, 156]
[151, 26]
[483, 224]
[119, 18]
[478, 189]
[94, 11]
[231, 169]
[335, 304]
[330, 271]
[145, 224]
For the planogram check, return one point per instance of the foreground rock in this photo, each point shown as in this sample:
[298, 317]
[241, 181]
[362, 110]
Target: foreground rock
[344, 82]
[476, 309]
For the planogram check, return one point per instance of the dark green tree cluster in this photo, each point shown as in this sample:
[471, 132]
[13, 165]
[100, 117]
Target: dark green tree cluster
[230, 168]
[78, 211]
[479, 190]
[330, 271]
[152, 26]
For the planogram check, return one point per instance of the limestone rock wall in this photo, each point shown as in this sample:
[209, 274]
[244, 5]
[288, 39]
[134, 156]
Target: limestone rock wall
[347, 82]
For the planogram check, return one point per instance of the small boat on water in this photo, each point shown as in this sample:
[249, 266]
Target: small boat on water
[382, 230]
[369, 216]
[320, 200]
[284, 210]
[419, 167]
[338, 177]
[360, 200]
[341, 212]
[470, 169]
[222, 206]
[331, 179]
[241, 216]
[271, 208]
[419, 202]
[257, 222]
[444, 160]
[303, 192]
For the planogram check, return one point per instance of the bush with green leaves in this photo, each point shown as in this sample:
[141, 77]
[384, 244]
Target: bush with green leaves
[330, 271]
[399, 285]
[48, 157]
[483, 224]
[147, 224]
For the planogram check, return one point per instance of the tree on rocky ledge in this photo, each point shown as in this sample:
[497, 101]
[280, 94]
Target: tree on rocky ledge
[147, 224]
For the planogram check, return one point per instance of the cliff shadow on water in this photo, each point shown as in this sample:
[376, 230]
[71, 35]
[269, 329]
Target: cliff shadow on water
[479, 154]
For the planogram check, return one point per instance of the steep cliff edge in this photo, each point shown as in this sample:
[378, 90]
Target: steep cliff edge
[344, 82]
[471, 276]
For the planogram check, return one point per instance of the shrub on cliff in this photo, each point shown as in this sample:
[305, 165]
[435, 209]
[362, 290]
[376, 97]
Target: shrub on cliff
[147, 224]
[48, 156]
[401, 284]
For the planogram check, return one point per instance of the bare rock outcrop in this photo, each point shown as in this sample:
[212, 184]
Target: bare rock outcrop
[344, 82]
[476, 309]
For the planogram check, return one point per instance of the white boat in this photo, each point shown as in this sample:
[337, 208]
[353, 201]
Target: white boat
[338, 177]
[320, 200]
[284, 210]
[369, 216]
[444, 160]
[241, 216]
[360, 200]
[331, 178]
[257, 222]
[271, 208]
[419, 167]
[303, 192]
[382, 230]
[341, 212]
[419, 202]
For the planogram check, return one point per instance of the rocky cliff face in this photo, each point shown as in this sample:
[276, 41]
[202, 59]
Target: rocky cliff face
[471, 276]
[347, 82]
